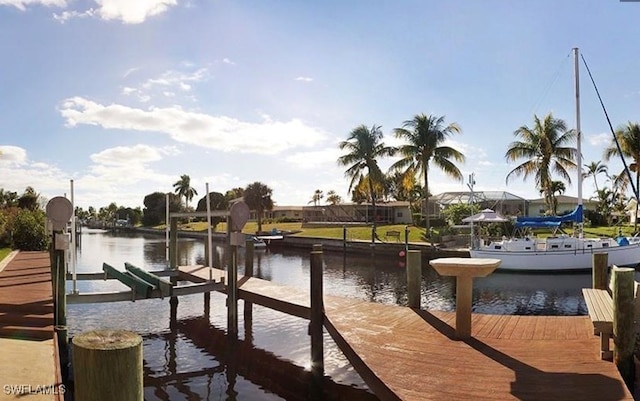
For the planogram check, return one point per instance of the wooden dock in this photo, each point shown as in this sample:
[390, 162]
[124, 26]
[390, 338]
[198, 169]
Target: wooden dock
[29, 361]
[408, 354]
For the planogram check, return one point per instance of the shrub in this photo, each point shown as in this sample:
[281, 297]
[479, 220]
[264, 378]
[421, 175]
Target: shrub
[29, 233]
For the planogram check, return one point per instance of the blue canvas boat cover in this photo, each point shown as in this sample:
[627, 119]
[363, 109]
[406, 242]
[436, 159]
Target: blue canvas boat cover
[550, 221]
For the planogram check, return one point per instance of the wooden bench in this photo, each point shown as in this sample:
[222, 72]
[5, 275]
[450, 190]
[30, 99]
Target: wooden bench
[393, 234]
[600, 307]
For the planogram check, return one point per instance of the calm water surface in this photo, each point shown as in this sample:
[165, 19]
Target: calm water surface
[193, 359]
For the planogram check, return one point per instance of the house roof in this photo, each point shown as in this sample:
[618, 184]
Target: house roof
[564, 199]
[448, 198]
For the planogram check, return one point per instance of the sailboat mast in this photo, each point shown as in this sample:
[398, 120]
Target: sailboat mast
[576, 54]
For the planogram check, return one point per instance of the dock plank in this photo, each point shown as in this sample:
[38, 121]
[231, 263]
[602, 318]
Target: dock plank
[410, 354]
[27, 339]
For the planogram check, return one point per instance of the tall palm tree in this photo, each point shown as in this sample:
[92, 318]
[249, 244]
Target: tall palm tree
[628, 137]
[593, 169]
[258, 197]
[425, 136]
[317, 196]
[183, 189]
[545, 151]
[559, 188]
[333, 198]
[364, 146]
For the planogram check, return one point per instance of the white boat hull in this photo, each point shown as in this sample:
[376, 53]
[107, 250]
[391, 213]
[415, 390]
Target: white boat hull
[559, 260]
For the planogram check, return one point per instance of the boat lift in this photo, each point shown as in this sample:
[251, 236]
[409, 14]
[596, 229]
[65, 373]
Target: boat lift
[142, 284]
[145, 284]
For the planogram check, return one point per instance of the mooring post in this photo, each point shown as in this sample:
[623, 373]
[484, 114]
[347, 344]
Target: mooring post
[624, 334]
[344, 238]
[317, 322]
[108, 366]
[406, 238]
[599, 271]
[248, 258]
[414, 278]
[248, 306]
[232, 292]
[173, 265]
[58, 273]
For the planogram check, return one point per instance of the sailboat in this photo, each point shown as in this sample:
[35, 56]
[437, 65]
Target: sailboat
[559, 252]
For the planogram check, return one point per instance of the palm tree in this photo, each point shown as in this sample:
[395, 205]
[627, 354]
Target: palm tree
[364, 146]
[183, 189]
[545, 152]
[628, 137]
[258, 198]
[425, 136]
[333, 198]
[593, 169]
[317, 195]
[559, 188]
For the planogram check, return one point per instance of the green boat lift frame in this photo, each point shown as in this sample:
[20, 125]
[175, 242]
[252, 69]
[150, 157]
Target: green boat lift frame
[144, 284]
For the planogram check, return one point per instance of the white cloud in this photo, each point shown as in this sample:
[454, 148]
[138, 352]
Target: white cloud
[304, 79]
[67, 15]
[12, 155]
[23, 4]
[168, 84]
[124, 156]
[127, 11]
[311, 160]
[600, 140]
[227, 61]
[132, 12]
[215, 132]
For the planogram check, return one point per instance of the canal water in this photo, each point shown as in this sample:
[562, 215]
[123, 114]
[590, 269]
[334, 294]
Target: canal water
[192, 359]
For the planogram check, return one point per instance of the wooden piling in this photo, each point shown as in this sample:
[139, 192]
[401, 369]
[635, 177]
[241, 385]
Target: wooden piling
[232, 283]
[623, 317]
[599, 270]
[344, 238]
[248, 306]
[248, 258]
[414, 278]
[173, 264]
[316, 323]
[108, 366]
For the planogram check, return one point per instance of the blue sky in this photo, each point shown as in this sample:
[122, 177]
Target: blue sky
[125, 96]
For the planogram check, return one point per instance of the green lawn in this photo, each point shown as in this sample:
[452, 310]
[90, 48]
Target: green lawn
[364, 233]
[353, 233]
[4, 252]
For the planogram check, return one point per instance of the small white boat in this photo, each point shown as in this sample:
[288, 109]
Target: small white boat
[257, 242]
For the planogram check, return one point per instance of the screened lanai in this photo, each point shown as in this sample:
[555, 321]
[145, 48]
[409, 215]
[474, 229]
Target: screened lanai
[502, 202]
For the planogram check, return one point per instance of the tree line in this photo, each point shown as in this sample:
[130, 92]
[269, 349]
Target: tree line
[544, 151]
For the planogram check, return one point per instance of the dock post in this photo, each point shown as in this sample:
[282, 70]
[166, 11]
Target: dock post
[599, 271]
[173, 264]
[232, 283]
[248, 258]
[344, 238]
[316, 324]
[623, 317]
[248, 306]
[406, 238]
[414, 278]
[108, 366]
[58, 275]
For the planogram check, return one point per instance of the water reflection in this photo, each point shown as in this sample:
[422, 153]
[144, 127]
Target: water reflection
[191, 358]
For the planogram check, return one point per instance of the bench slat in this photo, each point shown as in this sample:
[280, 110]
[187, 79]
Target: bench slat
[600, 308]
